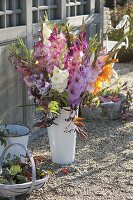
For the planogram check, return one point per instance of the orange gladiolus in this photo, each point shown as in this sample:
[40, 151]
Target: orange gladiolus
[106, 73]
[97, 85]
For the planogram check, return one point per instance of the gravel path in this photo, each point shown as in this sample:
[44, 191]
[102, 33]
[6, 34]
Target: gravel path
[103, 168]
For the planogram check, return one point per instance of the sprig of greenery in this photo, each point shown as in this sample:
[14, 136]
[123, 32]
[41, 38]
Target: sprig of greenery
[47, 21]
[20, 50]
[94, 47]
[61, 98]
[62, 57]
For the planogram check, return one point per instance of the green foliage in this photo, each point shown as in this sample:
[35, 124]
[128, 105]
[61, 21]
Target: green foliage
[61, 26]
[2, 139]
[94, 47]
[14, 49]
[89, 99]
[39, 108]
[16, 172]
[54, 107]
[62, 57]
[3, 181]
[61, 98]
[128, 53]
[116, 16]
[47, 21]
[98, 103]
[19, 50]
[94, 44]
[15, 169]
[83, 27]
[120, 41]
[115, 35]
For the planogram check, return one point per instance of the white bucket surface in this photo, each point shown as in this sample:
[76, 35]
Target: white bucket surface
[18, 134]
[19, 189]
[62, 144]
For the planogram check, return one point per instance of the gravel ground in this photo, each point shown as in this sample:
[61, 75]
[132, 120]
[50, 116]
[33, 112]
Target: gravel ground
[103, 167]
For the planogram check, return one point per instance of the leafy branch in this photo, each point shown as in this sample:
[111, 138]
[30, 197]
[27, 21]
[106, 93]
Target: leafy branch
[20, 51]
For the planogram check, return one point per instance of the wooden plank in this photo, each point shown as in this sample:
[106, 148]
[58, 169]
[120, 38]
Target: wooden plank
[10, 90]
[28, 111]
[9, 34]
[77, 20]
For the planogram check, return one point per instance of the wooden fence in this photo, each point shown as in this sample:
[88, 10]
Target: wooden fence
[21, 18]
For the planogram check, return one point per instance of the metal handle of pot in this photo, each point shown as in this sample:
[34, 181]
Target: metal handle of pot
[31, 160]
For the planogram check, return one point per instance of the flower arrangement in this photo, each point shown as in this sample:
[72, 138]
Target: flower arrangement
[59, 71]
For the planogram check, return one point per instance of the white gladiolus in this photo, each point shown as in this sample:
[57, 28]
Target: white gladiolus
[46, 33]
[59, 79]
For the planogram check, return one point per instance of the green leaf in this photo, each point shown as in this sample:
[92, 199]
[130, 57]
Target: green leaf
[20, 51]
[98, 103]
[64, 101]
[62, 57]
[15, 169]
[53, 111]
[39, 108]
[6, 172]
[3, 181]
[47, 21]
[41, 25]
[20, 178]
[1, 132]
[13, 49]
[64, 94]
[42, 174]
[3, 141]
[83, 27]
[53, 106]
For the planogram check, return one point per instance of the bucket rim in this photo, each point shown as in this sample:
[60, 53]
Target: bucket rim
[17, 135]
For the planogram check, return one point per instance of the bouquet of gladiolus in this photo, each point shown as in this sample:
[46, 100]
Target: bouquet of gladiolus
[59, 71]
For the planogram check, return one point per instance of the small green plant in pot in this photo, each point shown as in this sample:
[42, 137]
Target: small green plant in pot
[18, 172]
[17, 177]
[116, 103]
[111, 104]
